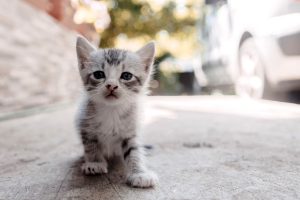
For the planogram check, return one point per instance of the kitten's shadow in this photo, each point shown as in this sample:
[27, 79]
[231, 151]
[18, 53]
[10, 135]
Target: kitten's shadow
[113, 164]
[75, 180]
[76, 184]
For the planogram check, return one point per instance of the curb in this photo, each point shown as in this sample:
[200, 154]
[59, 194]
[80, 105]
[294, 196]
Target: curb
[36, 110]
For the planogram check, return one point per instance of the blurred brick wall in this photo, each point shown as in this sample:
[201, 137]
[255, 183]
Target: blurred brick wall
[63, 12]
[38, 63]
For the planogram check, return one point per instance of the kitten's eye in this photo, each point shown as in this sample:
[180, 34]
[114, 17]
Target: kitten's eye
[99, 74]
[126, 76]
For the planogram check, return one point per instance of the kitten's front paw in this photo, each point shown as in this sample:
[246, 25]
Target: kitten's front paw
[142, 179]
[94, 168]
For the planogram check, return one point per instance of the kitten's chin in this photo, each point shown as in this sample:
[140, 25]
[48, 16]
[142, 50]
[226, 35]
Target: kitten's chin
[111, 97]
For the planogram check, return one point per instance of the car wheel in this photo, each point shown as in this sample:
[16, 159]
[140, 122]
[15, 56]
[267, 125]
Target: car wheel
[251, 81]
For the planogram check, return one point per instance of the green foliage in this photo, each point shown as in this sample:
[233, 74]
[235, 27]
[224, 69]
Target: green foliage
[138, 19]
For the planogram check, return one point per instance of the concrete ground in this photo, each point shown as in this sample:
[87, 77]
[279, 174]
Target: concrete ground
[203, 148]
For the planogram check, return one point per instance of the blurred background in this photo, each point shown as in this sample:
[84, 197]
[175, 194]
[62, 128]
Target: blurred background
[249, 48]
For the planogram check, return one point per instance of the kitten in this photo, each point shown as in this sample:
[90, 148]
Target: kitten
[107, 119]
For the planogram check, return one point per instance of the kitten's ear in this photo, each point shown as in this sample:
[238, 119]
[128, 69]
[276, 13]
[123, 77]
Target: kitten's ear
[84, 49]
[146, 53]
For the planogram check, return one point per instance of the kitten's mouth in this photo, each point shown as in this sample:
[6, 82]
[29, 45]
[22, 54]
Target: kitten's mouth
[111, 96]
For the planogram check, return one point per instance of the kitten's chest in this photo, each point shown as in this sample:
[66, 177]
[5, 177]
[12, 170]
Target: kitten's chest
[111, 124]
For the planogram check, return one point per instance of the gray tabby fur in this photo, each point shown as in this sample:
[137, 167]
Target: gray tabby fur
[109, 126]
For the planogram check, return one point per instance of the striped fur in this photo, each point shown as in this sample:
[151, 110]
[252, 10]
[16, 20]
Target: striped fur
[109, 126]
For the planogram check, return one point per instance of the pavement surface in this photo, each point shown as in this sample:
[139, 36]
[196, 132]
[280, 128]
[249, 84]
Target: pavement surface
[203, 148]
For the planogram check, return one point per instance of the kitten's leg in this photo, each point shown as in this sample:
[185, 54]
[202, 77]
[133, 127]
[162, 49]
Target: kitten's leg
[137, 173]
[95, 162]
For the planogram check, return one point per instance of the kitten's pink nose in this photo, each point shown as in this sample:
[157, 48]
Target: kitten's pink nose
[111, 88]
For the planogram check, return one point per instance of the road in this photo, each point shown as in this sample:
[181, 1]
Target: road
[203, 148]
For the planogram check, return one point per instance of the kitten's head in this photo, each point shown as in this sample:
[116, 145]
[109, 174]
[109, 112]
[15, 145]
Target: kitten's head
[114, 76]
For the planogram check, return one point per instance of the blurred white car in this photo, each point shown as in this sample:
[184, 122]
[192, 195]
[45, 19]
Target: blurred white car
[257, 42]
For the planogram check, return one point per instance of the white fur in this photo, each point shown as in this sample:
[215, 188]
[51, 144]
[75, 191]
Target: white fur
[94, 168]
[144, 179]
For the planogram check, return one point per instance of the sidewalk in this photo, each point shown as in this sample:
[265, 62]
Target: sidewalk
[203, 148]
